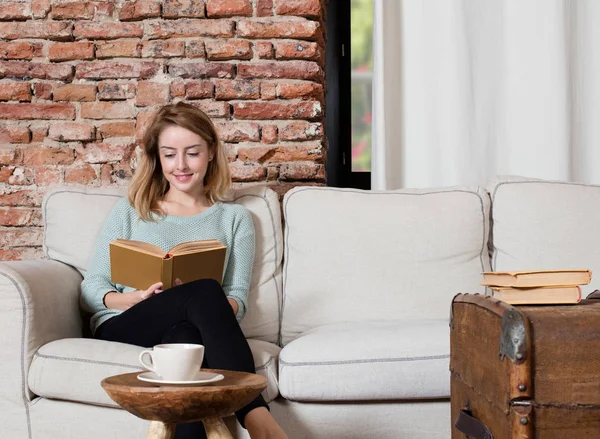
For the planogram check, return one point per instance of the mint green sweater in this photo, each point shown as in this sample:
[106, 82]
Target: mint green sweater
[229, 223]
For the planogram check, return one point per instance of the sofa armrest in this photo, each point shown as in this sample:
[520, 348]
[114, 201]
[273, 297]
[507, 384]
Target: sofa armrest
[39, 303]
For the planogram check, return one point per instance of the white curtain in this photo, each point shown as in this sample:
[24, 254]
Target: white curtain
[464, 90]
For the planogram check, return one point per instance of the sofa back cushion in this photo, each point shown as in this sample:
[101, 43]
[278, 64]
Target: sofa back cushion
[74, 216]
[540, 224]
[354, 255]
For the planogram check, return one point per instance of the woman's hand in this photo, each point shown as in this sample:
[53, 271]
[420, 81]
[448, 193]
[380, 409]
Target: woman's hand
[120, 301]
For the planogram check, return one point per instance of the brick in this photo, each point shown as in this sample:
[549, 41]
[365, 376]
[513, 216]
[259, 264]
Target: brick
[299, 8]
[116, 70]
[16, 50]
[82, 174]
[277, 110]
[15, 91]
[225, 90]
[190, 28]
[26, 69]
[230, 152]
[28, 198]
[115, 91]
[118, 49]
[116, 173]
[43, 90]
[264, 8]
[15, 11]
[152, 93]
[71, 51]
[228, 49]
[247, 172]
[38, 50]
[235, 132]
[72, 11]
[8, 156]
[72, 131]
[107, 110]
[304, 90]
[104, 152]
[177, 89]
[272, 173]
[302, 171]
[40, 155]
[300, 130]
[212, 108]
[163, 48]
[140, 9]
[47, 175]
[37, 111]
[143, 120]
[75, 92]
[268, 134]
[107, 31]
[21, 254]
[200, 70]
[13, 135]
[19, 216]
[266, 28]
[199, 89]
[117, 129]
[264, 49]
[20, 237]
[40, 8]
[21, 176]
[183, 9]
[195, 49]
[280, 154]
[39, 133]
[268, 91]
[228, 8]
[281, 70]
[51, 30]
[297, 50]
[104, 11]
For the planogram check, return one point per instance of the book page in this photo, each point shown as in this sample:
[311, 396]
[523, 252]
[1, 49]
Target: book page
[140, 246]
[196, 246]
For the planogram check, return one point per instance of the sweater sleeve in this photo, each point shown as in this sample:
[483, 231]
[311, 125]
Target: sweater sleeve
[96, 282]
[238, 275]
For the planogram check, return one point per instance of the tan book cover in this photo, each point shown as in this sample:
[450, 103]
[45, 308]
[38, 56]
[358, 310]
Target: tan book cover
[138, 264]
[541, 296]
[538, 278]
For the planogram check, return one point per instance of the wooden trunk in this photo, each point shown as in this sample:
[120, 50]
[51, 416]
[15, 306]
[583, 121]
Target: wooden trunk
[526, 371]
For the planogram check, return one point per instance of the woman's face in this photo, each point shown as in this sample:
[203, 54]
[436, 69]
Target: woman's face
[184, 158]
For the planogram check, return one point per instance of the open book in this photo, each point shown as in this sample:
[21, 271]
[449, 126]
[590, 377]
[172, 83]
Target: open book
[538, 278]
[138, 264]
[531, 296]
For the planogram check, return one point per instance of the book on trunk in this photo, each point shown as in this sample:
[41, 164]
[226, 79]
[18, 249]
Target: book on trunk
[536, 279]
[138, 264]
[540, 296]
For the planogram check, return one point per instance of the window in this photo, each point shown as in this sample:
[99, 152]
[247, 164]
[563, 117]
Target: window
[349, 66]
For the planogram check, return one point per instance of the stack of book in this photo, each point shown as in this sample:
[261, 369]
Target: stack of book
[537, 287]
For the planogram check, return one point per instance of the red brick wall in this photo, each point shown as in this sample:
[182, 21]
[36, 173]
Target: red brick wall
[78, 81]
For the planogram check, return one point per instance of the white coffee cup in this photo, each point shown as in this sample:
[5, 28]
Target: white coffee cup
[174, 361]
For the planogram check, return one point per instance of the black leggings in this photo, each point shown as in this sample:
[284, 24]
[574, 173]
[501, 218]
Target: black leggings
[196, 312]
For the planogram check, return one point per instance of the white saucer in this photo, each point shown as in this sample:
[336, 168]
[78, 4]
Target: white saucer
[200, 378]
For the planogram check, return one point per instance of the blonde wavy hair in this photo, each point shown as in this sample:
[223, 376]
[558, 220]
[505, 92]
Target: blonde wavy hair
[149, 185]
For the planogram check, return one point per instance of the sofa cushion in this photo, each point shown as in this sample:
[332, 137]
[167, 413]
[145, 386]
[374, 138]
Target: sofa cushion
[368, 361]
[73, 219]
[354, 255]
[540, 224]
[71, 369]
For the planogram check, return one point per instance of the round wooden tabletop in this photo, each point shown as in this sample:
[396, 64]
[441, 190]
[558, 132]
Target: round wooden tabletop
[178, 403]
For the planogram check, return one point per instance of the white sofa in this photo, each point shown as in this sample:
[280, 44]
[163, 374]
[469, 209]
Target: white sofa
[349, 304]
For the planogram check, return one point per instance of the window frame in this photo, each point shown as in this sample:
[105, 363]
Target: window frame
[338, 99]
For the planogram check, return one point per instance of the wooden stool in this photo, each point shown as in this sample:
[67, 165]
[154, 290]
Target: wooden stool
[167, 406]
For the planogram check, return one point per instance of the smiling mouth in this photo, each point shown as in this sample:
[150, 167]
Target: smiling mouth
[183, 177]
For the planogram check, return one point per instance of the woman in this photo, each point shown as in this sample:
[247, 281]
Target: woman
[174, 197]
